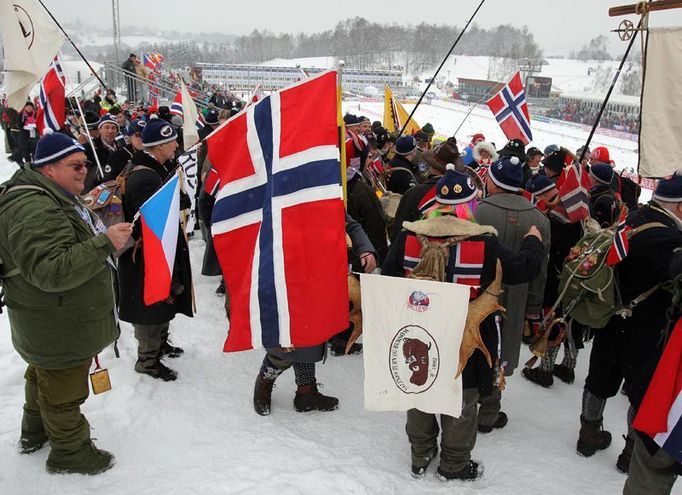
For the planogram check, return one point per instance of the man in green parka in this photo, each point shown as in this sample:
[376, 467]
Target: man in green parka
[57, 274]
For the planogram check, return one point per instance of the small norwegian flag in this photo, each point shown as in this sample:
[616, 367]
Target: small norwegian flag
[176, 107]
[511, 110]
[621, 242]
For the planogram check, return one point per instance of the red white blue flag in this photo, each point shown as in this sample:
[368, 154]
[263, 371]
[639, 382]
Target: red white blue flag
[52, 109]
[148, 61]
[660, 413]
[160, 216]
[176, 106]
[621, 241]
[511, 111]
[278, 223]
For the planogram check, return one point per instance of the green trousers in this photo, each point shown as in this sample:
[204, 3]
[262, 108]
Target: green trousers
[150, 338]
[52, 408]
[458, 434]
[490, 407]
[650, 475]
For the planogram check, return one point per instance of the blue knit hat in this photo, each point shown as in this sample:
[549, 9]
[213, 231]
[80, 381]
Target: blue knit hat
[53, 147]
[507, 173]
[670, 190]
[539, 184]
[156, 132]
[135, 127]
[455, 187]
[405, 145]
[107, 118]
[602, 173]
[350, 119]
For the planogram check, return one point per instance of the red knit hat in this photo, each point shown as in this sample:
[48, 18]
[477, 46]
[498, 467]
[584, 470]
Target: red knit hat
[601, 155]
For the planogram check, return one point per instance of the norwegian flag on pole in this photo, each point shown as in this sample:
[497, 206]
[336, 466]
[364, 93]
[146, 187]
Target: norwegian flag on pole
[52, 109]
[660, 414]
[278, 223]
[511, 111]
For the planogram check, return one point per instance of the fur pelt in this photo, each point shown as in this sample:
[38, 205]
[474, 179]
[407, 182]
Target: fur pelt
[484, 145]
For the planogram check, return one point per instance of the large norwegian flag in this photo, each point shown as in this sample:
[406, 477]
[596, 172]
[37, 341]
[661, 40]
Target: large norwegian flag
[574, 185]
[278, 221]
[511, 111]
[52, 109]
[660, 413]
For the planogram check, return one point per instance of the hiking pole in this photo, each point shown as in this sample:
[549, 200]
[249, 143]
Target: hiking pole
[466, 26]
[608, 94]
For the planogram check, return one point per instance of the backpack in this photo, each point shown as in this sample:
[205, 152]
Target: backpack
[589, 287]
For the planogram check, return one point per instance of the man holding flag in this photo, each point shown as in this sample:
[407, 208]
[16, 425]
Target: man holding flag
[144, 301]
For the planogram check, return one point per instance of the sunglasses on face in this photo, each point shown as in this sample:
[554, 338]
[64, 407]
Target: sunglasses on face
[78, 166]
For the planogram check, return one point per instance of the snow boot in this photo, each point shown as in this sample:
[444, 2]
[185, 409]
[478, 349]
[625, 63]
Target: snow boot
[33, 435]
[171, 351]
[592, 437]
[538, 376]
[262, 395]
[500, 422]
[564, 373]
[420, 471]
[623, 462]
[472, 471]
[156, 370]
[88, 460]
[309, 399]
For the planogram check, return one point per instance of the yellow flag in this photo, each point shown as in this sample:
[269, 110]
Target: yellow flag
[395, 114]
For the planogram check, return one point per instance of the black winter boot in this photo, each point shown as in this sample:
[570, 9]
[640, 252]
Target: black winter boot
[592, 437]
[538, 376]
[564, 373]
[309, 399]
[156, 370]
[472, 471]
[420, 471]
[499, 423]
[171, 351]
[623, 462]
[262, 395]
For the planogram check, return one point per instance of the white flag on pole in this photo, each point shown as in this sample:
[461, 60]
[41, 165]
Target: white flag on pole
[188, 162]
[660, 126]
[31, 39]
[189, 117]
[412, 331]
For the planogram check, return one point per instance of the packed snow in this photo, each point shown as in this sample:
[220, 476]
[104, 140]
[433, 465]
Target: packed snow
[201, 435]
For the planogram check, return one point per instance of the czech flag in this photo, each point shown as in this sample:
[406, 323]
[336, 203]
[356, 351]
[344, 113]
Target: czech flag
[660, 414]
[160, 216]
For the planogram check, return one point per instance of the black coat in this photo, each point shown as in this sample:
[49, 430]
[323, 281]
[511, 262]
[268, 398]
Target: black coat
[408, 210]
[210, 265]
[517, 268]
[117, 162]
[140, 185]
[365, 208]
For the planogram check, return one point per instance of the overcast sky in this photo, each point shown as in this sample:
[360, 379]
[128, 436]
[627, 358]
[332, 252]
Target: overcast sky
[559, 27]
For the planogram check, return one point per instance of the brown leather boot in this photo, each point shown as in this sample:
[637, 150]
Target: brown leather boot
[309, 399]
[262, 395]
[592, 437]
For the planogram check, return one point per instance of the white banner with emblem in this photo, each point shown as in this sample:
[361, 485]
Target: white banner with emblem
[412, 331]
[188, 162]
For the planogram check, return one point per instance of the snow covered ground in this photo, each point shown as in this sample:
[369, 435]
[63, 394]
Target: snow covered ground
[201, 435]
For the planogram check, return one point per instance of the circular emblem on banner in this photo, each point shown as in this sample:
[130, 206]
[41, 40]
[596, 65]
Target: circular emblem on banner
[444, 190]
[457, 188]
[418, 301]
[414, 359]
[26, 25]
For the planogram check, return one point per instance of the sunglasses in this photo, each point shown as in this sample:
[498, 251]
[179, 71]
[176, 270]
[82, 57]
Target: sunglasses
[78, 166]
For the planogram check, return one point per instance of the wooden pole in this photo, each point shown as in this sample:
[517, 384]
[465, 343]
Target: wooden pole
[650, 7]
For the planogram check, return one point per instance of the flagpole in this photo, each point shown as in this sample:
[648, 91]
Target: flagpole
[92, 70]
[608, 94]
[441, 66]
[85, 125]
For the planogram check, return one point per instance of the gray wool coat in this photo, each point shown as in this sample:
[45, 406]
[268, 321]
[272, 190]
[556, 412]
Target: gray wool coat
[512, 215]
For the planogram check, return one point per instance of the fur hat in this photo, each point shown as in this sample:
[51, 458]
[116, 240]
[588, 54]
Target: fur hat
[484, 146]
[350, 120]
[107, 118]
[539, 184]
[556, 160]
[405, 145]
[455, 187]
[602, 173]
[53, 147]
[507, 173]
[668, 190]
[156, 132]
